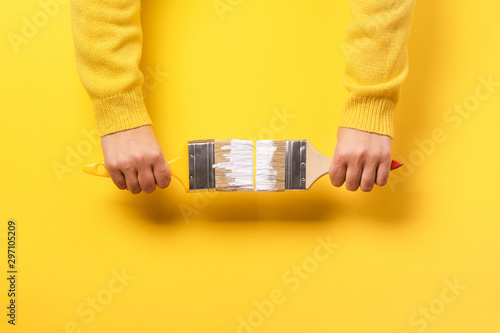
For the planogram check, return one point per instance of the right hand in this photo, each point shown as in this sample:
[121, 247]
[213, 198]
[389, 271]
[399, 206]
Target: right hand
[135, 160]
[361, 159]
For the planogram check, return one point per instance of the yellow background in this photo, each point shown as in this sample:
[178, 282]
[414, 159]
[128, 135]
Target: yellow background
[398, 246]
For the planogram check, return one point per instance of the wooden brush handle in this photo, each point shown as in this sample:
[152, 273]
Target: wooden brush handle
[319, 164]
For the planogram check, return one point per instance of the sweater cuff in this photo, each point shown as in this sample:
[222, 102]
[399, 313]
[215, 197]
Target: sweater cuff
[121, 112]
[369, 114]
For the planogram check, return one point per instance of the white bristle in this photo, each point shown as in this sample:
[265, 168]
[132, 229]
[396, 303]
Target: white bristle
[265, 179]
[238, 166]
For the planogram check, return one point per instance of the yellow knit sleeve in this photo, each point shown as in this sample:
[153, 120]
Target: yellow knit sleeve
[108, 44]
[377, 63]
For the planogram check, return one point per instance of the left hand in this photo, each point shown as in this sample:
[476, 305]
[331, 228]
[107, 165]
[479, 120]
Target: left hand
[361, 159]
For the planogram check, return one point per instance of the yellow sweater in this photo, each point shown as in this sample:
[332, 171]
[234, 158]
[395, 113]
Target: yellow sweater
[108, 43]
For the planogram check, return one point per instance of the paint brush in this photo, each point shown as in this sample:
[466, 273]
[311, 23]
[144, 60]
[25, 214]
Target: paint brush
[286, 165]
[207, 165]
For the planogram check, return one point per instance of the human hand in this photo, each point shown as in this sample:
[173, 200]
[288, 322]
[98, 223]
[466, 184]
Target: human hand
[361, 159]
[135, 161]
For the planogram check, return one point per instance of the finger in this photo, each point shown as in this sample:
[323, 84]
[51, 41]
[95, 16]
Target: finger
[118, 178]
[368, 176]
[383, 173]
[337, 172]
[132, 181]
[146, 180]
[353, 176]
[162, 175]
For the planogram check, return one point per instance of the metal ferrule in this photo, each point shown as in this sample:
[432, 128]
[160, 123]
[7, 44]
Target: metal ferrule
[201, 165]
[295, 165]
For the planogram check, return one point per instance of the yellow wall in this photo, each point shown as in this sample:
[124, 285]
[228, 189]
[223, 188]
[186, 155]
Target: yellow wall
[397, 252]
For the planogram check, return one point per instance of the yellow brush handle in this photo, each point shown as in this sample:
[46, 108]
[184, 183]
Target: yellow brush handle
[179, 168]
